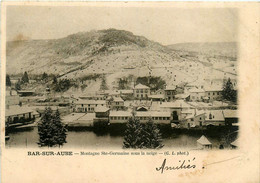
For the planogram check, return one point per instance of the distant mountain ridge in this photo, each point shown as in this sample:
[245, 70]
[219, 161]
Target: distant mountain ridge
[228, 49]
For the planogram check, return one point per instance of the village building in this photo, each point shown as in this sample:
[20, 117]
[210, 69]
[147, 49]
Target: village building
[159, 92]
[115, 103]
[88, 105]
[213, 92]
[126, 93]
[175, 108]
[204, 143]
[183, 96]
[170, 92]
[193, 120]
[231, 117]
[214, 118]
[19, 114]
[155, 98]
[158, 117]
[119, 116]
[196, 94]
[141, 91]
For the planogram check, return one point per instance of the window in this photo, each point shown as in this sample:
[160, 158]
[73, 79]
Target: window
[137, 95]
[141, 95]
[192, 119]
[137, 91]
[156, 118]
[111, 118]
[160, 118]
[126, 118]
[82, 105]
[115, 118]
[208, 93]
[141, 118]
[213, 93]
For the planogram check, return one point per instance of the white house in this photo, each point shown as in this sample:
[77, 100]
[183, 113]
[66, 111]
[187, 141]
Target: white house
[88, 105]
[141, 91]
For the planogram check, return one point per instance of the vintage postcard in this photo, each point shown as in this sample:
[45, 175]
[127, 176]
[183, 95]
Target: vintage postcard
[130, 92]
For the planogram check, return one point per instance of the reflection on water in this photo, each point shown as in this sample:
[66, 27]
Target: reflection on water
[110, 138]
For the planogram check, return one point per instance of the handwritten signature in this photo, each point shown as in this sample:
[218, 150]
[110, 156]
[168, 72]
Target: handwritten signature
[183, 164]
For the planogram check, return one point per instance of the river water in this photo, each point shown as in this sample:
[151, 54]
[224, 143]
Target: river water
[89, 139]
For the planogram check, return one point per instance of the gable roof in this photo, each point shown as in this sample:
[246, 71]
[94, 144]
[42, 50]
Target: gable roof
[141, 86]
[203, 140]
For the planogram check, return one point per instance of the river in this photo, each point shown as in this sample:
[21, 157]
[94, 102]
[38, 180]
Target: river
[85, 138]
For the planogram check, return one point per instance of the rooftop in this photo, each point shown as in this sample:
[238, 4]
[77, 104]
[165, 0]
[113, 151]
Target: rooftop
[170, 88]
[141, 86]
[15, 110]
[176, 104]
[91, 102]
[230, 113]
[101, 109]
[118, 99]
[120, 113]
[203, 140]
[216, 115]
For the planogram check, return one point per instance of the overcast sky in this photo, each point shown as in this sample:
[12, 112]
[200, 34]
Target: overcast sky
[166, 26]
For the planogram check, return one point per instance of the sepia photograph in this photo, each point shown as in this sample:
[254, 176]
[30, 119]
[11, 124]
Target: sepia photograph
[140, 78]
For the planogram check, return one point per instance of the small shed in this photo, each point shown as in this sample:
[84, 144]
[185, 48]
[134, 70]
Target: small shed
[204, 143]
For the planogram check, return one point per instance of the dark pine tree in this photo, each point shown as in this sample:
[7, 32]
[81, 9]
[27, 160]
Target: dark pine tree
[60, 128]
[25, 78]
[228, 92]
[18, 85]
[132, 137]
[8, 80]
[55, 81]
[103, 85]
[44, 76]
[151, 136]
[51, 130]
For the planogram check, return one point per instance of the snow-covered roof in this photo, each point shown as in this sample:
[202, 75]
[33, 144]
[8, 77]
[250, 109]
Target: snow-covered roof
[141, 86]
[203, 140]
[15, 110]
[72, 117]
[153, 114]
[101, 109]
[230, 113]
[182, 96]
[216, 115]
[195, 113]
[175, 104]
[120, 113]
[196, 90]
[170, 88]
[90, 102]
[156, 96]
[214, 88]
[118, 99]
